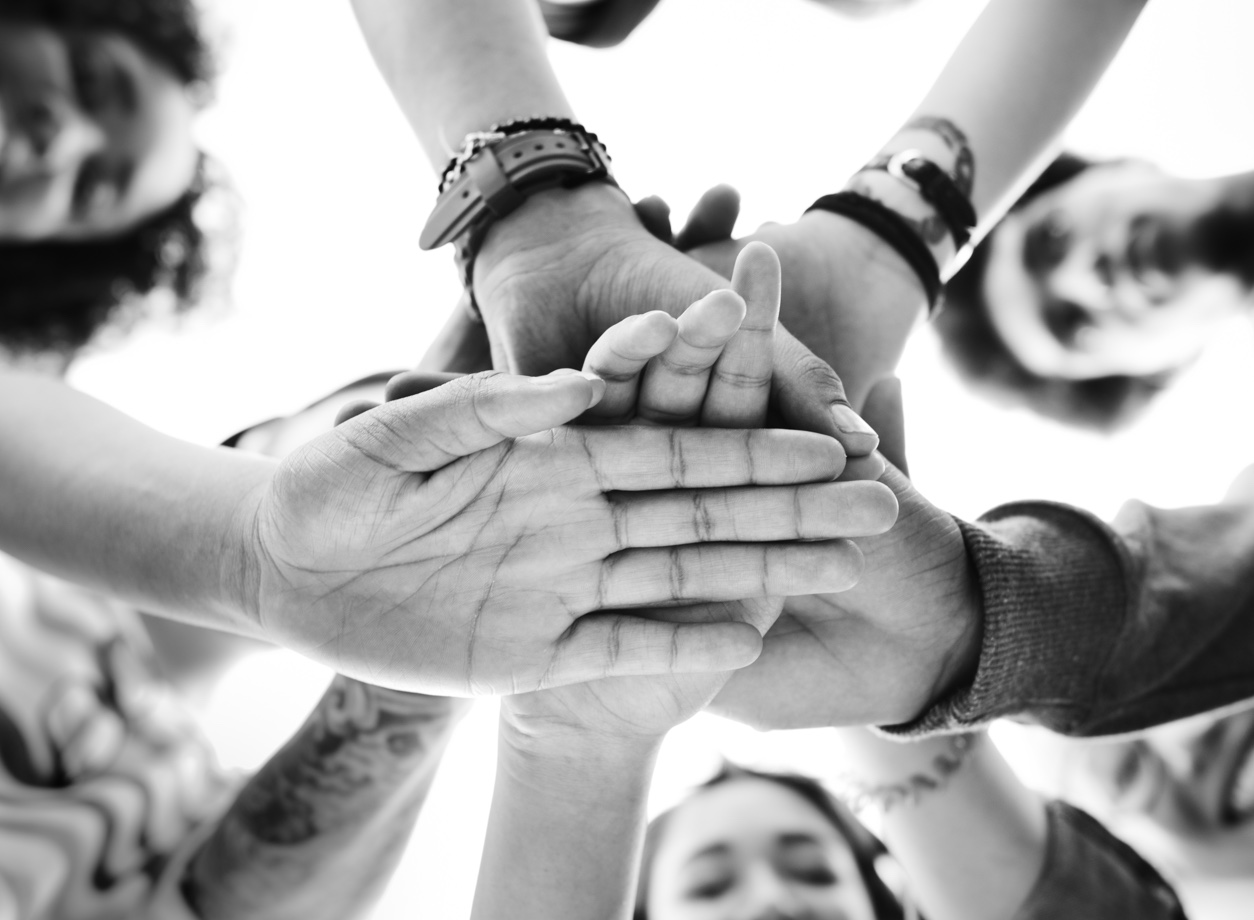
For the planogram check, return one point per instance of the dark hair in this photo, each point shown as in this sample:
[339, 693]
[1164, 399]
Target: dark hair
[170, 31]
[55, 295]
[865, 846]
[982, 358]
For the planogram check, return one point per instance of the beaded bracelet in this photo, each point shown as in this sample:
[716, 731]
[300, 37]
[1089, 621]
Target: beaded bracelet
[908, 791]
[892, 228]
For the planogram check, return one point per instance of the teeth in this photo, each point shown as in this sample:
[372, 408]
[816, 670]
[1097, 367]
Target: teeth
[1241, 793]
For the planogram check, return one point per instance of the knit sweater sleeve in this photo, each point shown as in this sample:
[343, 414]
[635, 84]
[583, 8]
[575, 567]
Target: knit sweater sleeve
[1093, 629]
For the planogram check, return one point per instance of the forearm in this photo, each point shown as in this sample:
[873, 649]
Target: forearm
[968, 833]
[1093, 629]
[457, 66]
[1013, 84]
[319, 829]
[94, 496]
[565, 831]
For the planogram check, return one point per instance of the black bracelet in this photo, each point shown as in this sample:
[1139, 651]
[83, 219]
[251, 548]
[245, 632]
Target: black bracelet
[892, 228]
[935, 186]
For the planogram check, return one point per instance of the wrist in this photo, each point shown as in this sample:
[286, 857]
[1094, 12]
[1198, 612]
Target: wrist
[240, 574]
[548, 745]
[566, 216]
[959, 664]
[912, 208]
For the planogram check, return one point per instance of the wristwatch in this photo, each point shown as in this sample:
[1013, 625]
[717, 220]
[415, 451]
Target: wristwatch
[499, 177]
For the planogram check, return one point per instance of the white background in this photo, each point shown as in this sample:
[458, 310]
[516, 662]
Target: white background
[780, 98]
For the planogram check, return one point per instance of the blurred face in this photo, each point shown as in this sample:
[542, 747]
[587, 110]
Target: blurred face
[95, 135]
[1183, 793]
[1122, 270]
[750, 849]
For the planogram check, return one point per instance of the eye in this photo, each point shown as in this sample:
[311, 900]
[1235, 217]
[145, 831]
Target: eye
[817, 876]
[1046, 243]
[1066, 321]
[807, 864]
[91, 74]
[1138, 778]
[709, 889]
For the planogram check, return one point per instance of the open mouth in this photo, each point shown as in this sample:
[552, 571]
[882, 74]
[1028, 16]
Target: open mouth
[1238, 798]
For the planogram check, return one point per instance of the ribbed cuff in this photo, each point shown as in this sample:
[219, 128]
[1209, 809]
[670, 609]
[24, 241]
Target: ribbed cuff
[1052, 585]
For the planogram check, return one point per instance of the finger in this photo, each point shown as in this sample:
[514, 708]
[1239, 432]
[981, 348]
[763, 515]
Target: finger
[655, 214]
[621, 645]
[424, 432]
[869, 467]
[884, 410]
[642, 458]
[824, 511]
[354, 409]
[740, 384]
[411, 383]
[712, 219]
[673, 386]
[619, 356]
[810, 396]
[725, 571]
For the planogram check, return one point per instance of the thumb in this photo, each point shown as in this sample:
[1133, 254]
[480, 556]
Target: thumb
[883, 409]
[810, 396]
[425, 432]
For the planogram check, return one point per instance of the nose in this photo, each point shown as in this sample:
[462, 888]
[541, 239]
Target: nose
[49, 135]
[769, 897]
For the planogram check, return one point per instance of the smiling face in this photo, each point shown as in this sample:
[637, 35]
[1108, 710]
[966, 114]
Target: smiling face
[750, 849]
[95, 135]
[1122, 270]
[1184, 793]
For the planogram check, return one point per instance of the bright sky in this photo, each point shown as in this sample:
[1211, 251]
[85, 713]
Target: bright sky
[779, 98]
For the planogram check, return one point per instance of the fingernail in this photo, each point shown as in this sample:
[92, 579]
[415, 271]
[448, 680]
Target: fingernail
[850, 423]
[562, 372]
[598, 387]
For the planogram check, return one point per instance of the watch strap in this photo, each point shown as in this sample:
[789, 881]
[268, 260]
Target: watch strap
[498, 179]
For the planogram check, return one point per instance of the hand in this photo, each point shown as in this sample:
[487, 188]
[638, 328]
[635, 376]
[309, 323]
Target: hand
[882, 652]
[711, 367]
[451, 543]
[568, 264]
[847, 295]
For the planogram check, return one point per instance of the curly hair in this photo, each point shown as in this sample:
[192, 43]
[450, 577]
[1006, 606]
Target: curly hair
[981, 357]
[56, 295]
[170, 31]
[865, 846]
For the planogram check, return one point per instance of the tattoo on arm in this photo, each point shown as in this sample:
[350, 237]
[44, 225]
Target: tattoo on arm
[324, 820]
[910, 789]
[959, 146]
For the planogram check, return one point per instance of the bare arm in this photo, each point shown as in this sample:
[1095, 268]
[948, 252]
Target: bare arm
[568, 263]
[970, 836]
[457, 66]
[320, 827]
[978, 845]
[990, 120]
[94, 496]
[566, 827]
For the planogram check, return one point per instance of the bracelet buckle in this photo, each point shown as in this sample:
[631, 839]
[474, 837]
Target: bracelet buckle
[896, 167]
